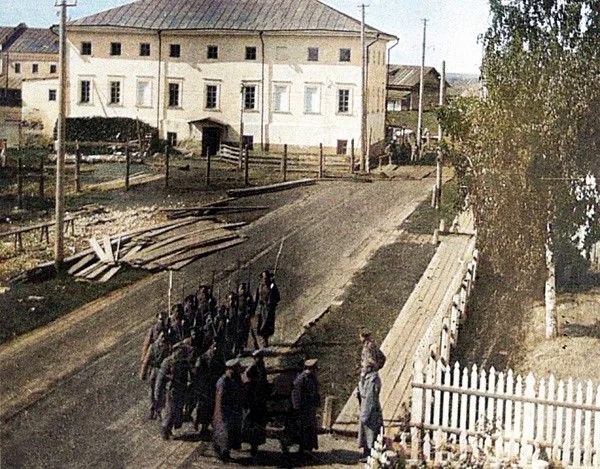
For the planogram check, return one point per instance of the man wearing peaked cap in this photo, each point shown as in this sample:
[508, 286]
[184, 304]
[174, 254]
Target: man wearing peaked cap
[227, 417]
[305, 402]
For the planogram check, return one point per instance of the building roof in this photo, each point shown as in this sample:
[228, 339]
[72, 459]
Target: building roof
[36, 41]
[407, 75]
[5, 33]
[232, 15]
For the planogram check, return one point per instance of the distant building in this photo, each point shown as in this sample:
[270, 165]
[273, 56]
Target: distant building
[403, 87]
[290, 72]
[25, 53]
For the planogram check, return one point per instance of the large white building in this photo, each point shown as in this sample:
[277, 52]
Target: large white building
[196, 69]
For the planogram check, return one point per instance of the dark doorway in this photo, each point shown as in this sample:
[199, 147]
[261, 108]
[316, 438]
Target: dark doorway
[211, 140]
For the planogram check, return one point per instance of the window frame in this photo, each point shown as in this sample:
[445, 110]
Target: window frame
[52, 94]
[85, 48]
[175, 50]
[317, 86]
[212, 52]
[53, 69]
[143, 51]
[312, 49]
[116, 49]
[247, 86]
[35, 68]
[137, 93]
[341, 144]
[287, 87]
[348, 104]
[342, 57]
[254, 51]
[89, 91]
[217, 105]
[111, 81]
[179, 85]
[172, 139]
[17, 68]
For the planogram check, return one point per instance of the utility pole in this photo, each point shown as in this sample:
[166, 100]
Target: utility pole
[59, 244]
[421, 91]
[438, 178]
[363, 119]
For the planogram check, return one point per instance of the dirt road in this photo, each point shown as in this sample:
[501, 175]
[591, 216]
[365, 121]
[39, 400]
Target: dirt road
[69, 393]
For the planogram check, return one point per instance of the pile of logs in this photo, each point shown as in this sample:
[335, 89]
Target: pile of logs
[171, 245]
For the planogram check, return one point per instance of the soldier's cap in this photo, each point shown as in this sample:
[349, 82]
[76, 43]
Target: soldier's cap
[310, 363]
[234, 362]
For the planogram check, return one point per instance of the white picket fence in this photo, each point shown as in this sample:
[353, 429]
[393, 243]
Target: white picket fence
[502, 417]
[442, 333]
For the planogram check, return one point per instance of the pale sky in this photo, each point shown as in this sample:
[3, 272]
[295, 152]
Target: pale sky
[452, 30]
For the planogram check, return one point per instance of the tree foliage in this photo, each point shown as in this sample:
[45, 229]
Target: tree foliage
[529, 151]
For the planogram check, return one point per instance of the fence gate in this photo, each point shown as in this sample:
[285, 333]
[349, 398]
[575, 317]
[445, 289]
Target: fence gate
[505, 417]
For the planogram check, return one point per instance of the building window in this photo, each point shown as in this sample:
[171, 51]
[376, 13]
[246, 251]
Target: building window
[144, 49]
[312, 100]
[52, 68]
[212, 52]
[86, 48]
[342, 147]
[313, 54]
[174, 50]
[345, 55]
[115, 48]
[281, 98]
[115, 92]
[35, 68]
[144, 93]
[51, 95]
[250, 53]
[281, 53]
[249, 97]
[17, 68]
[343, 101]
[85, 95]
[174, 95]
[248, 141]
[172, 138]
[212, 96]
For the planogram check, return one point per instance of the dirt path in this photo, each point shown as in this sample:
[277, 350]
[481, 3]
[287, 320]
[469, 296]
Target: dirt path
[70, 395]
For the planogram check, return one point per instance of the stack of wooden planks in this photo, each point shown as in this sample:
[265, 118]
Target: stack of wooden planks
[171, 245]
[220, 206]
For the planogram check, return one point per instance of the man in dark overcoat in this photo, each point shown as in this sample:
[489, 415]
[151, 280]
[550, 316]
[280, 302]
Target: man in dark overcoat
[170, 391]
[227, 419]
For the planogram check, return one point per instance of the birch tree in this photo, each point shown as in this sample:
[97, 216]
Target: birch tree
[529, 152]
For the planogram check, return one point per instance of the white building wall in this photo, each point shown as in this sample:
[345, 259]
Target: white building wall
[193, 71]
[37, 107]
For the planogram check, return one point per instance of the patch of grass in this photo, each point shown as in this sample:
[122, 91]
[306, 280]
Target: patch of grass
[409, 120]
[426, 219]
[31, 305]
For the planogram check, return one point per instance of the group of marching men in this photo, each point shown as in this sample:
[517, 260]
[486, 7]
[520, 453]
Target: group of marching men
[191, 358]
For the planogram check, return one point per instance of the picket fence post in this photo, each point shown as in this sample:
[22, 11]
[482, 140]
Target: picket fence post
[416, 415]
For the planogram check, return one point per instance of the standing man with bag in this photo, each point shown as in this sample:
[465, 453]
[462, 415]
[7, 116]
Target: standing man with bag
[369, 387]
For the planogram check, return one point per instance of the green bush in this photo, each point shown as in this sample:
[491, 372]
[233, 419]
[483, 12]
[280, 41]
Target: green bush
[107, 129]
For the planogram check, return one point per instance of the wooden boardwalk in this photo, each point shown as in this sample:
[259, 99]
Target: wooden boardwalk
[435, 289]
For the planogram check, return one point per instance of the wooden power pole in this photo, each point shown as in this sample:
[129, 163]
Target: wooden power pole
[59, 244]
[438, 175]
[421, 92]
[363, 94]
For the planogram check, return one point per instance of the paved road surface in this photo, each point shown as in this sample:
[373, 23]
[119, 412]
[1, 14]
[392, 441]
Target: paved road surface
[69, 393]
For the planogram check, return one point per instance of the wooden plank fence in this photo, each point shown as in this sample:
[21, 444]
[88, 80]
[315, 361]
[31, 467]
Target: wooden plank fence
[503, 417]
[293, 162]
